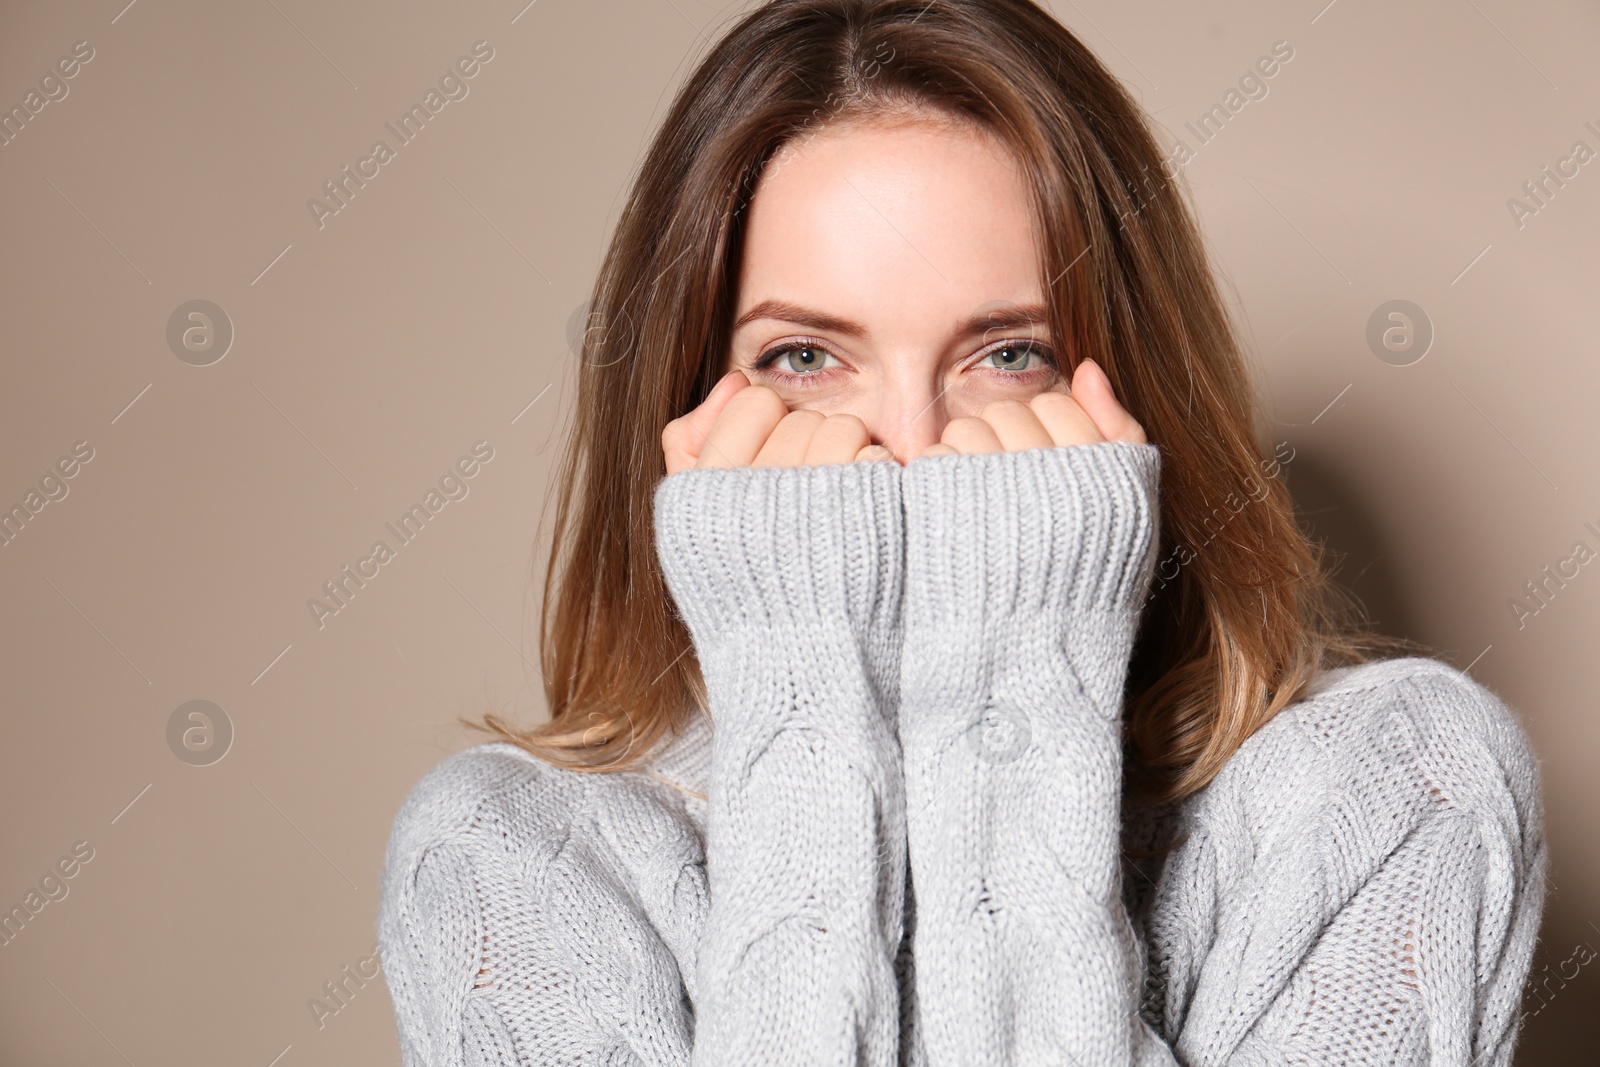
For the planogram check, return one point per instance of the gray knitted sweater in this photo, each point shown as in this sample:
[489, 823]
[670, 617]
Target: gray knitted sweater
[900, 844]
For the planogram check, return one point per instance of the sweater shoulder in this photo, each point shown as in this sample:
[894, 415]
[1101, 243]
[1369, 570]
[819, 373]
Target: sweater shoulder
[1400, 739]
[1372, 759]
[523, 898]
[485, 782]
[502, 808]
[1426, 716]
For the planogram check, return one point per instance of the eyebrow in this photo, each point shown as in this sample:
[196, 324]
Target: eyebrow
[1006, 317]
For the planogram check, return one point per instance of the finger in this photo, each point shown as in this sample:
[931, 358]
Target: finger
[1095, 396]
[938, 448]
[837, 439]
[786, 447]
[1064, 418]
[1016, 425]
[970, 435]
[875, 454]
[683, 437]
[746, 421]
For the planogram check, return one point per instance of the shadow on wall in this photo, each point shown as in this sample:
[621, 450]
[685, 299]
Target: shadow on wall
[1331, 512]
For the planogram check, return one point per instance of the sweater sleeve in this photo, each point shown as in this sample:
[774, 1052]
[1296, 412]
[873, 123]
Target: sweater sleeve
[789, 580]
[1026, 573]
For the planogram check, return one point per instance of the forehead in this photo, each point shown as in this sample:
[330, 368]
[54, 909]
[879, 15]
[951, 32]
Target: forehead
[888, 221]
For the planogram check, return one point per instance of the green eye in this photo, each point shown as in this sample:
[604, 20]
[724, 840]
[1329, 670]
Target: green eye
[1017, 355]
[799, 364]
[803, 358]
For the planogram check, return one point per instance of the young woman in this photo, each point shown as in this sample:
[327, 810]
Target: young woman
[937, 672]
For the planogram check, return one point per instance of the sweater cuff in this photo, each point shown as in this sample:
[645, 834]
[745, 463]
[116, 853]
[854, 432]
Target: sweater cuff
[769, 550]
[1061, 531]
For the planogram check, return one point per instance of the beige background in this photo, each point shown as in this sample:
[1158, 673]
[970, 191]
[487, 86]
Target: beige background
[372, 352]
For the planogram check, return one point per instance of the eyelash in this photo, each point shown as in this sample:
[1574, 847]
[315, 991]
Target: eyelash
[765, 361]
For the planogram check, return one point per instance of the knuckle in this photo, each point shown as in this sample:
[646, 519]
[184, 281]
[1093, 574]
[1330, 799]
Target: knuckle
[845, 425]
[804, 417]
[756, 394]
[1052, 399]
[1005, 404]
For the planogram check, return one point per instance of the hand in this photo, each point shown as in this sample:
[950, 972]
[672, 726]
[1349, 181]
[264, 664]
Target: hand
[744, 425]
[1088, 414]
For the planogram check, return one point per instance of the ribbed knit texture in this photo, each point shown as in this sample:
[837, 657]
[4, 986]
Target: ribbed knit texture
[899, 843]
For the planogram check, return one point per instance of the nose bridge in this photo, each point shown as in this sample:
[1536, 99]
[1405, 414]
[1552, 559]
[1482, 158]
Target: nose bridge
[910, 412]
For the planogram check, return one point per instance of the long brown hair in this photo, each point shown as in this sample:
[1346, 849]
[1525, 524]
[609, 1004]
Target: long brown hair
[1243, 611]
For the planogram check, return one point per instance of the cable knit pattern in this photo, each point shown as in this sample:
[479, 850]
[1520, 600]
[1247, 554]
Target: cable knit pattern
[786, 578]
[1017, 640]
[899, 843]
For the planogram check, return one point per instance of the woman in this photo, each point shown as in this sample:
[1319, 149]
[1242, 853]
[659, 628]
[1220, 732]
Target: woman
[965, 691]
